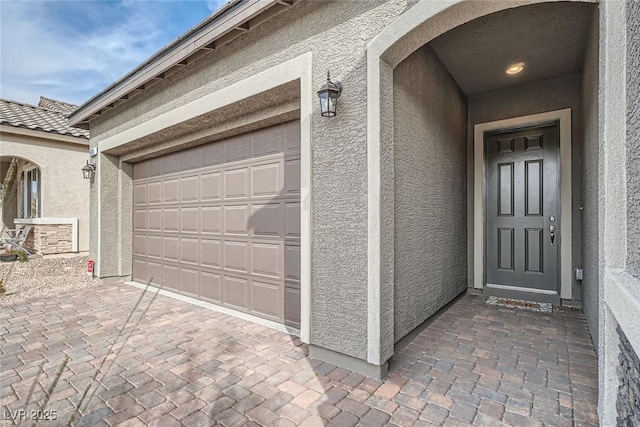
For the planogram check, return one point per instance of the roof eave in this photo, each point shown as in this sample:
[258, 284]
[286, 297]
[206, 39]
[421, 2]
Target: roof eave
[42, 134]
[231, 21]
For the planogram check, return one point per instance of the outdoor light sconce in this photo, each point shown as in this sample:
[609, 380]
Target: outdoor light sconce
[329, 94]
[89, 170]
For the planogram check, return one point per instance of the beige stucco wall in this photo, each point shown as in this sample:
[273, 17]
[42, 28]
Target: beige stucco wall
[430, 144]
[65, 194]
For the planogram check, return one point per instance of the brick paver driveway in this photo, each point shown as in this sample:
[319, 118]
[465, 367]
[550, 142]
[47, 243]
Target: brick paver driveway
[475, 364]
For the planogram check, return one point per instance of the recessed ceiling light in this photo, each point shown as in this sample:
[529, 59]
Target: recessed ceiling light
[515, 68]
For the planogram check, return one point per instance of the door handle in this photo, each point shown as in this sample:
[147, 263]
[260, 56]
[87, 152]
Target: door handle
[552, 233]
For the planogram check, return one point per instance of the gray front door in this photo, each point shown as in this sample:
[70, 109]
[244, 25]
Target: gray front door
[523, 208]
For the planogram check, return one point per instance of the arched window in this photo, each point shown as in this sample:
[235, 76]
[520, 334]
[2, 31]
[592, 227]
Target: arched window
[30, 185]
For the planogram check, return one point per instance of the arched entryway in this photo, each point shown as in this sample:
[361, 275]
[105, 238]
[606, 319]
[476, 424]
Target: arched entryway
[406, 48]
[21, 190]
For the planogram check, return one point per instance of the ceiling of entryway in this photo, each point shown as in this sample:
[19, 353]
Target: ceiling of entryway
[549, 38]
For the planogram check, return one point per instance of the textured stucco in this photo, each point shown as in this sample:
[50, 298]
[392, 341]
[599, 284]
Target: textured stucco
[619, 291]
[590, 161]
[430, 115]
[65, 194]
[339, 289]
[108, 216]
[633, 137]
[538, 97]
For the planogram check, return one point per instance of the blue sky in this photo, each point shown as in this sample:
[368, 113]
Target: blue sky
[71, 50]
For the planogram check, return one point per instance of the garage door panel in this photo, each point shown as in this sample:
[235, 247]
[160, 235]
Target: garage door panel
[292, 177]
[267, 141]
[170, 276]
[154, 192]
[221, 222]
[170, 190]
[292, 262]
[266, 180]
[170, 163]
[291, 135]
[155, 167]
[140, 245]
[170, 248]
[154, 220]
[236, 256]
[139, 270]
[189, 189]
[154, 246]
[188, 159]
[292, 307]
[235, 291]
[211, 253]
[140, 219]
[235, 220]
[292, 220]
[210, 286]
[189, 250]
[266, 299]
[210, 186]
[236, 149]
[266, 259]
[211, 220]
[236, 183]
[140, 171]
[170, 216]
[189, 220]
[189, 281]
[154, 273]
[140, 194]
[266, 220]
[211, 155]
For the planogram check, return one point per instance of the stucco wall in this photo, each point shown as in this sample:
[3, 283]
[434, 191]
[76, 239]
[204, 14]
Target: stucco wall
[65, 194]
[590, 160]
[339, 289]
[537, 97]
[430, 114]
[633, 137]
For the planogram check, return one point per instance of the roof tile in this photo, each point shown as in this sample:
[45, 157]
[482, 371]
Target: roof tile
[49, 116]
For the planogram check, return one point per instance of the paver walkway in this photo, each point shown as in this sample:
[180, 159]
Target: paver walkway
[474, 365]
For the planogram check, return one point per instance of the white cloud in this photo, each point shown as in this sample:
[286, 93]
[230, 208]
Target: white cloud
[45, 54]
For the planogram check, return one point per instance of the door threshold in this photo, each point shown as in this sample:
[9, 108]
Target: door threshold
[523, 294]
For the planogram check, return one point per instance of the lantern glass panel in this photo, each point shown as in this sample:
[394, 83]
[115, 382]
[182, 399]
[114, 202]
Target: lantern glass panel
[324, 102]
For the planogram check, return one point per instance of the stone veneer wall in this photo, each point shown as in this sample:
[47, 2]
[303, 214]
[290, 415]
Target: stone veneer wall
[48, 239]
[628, 404]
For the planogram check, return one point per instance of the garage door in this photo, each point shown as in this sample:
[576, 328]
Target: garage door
[221, 222]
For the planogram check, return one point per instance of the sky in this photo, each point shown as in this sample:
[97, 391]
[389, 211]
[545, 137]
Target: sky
[71, 50]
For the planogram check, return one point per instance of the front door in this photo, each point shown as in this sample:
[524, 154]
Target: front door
[523, 208]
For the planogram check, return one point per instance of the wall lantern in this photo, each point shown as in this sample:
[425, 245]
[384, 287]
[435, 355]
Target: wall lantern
[89, 170]
[329, 94]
